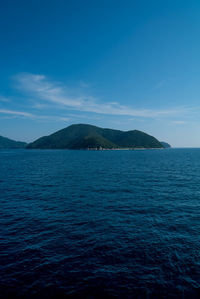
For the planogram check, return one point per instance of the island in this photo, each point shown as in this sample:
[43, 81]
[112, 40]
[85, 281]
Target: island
[6, 143]
[165, 144]
[89, 137]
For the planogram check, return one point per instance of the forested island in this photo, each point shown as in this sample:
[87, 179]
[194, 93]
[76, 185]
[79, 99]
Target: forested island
[89, 137]
[6, 143]
[84, 136]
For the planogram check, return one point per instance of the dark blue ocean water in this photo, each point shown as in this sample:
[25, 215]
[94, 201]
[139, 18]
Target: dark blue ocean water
[100, 224]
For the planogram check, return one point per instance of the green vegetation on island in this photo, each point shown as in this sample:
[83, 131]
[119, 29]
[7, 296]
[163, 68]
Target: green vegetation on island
[6, 143]
[165, 144]
[83, 136]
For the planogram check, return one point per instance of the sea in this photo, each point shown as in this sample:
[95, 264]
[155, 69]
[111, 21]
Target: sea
[100, 224]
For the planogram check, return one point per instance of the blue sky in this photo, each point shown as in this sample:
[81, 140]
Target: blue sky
[118, 64]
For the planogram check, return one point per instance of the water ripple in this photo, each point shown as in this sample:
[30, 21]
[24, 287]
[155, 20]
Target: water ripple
[116, 224]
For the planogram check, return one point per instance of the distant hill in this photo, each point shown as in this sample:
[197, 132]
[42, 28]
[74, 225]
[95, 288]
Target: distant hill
[165, 144]
[83, 136]
[6, 143]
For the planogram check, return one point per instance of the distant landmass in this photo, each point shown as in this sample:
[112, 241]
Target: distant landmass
[165, 144]
[83, 136]
[6, 143]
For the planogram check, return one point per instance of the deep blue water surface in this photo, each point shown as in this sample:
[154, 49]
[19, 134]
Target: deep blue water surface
[97, 224]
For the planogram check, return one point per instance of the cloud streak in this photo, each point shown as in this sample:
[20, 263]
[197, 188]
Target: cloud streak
[3, 99]
[16, 113]
[44, 118]
[40, 87]
[179, 122]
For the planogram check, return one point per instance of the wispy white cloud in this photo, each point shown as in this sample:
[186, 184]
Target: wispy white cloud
[16, 113]
[40, 87]
[40, 106]
[13, 113]
[179, 122]
[4, 99]
[50, 118]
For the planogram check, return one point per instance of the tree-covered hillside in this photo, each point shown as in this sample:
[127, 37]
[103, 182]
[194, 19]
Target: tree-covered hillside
[82, 136]
[165, 144]
[6, 143]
